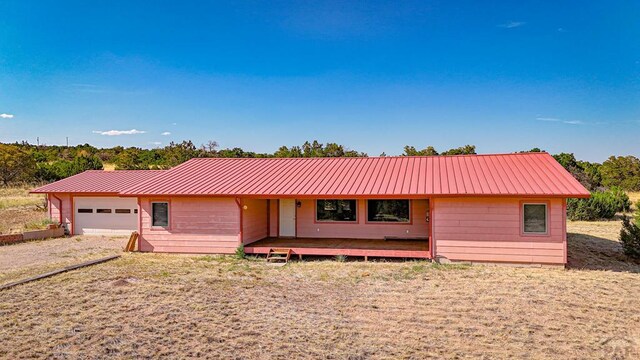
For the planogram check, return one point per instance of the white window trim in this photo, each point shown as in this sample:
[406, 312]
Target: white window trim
[546, 219]
[168, 215]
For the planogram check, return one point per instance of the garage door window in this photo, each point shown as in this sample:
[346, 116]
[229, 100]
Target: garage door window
[160, 214]
[123, 211]
[103, 211]
[85, 211]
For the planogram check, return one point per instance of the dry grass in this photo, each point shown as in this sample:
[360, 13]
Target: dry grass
[178, 306]
[20, 210]
[635, 198]
[22, 260]
[108, 166]
[18, 219]
[18, 196]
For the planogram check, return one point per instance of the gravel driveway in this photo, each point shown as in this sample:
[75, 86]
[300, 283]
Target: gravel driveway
[30, 258]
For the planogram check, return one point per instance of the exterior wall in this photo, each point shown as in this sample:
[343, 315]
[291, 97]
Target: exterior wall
[254, 220]
[308, 227]
[196, 225]
[61, 210]
[489, 230]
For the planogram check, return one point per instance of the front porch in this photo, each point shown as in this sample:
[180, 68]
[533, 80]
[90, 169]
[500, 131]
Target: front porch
[349, 247]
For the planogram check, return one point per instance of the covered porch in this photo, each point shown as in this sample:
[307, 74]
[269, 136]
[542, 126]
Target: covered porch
[399, 248]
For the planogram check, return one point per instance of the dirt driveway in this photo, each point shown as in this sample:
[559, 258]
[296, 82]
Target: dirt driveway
[30, 258]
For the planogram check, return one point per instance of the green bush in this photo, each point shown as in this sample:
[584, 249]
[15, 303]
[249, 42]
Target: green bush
[240, 252]
[638, 213]
[601, 205]
[630, 238]
[620, 198]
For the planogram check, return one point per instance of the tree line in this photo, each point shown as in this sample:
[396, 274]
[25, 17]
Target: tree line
[24, 162]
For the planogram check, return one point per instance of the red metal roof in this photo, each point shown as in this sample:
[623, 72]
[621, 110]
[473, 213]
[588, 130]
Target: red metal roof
[99, 181]
[524, 174]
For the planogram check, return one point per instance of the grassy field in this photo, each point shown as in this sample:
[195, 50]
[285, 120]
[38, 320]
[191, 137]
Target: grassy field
[20, 210]
[177, 306]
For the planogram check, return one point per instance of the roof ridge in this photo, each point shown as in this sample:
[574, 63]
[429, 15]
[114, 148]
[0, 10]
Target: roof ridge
[370, 157]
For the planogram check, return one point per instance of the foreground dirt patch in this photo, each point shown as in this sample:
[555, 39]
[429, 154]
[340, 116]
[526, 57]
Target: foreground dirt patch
[150, 305]
[25, 259]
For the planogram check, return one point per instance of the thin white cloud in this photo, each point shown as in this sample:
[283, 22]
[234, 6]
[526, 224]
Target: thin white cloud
[512, 24]
[6, 116]
[174, 124]
[569, 122]
[166, 133]
[119, 132]
[155, 143]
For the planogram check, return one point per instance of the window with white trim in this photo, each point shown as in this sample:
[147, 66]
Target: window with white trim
[534, 218]
[160, 214]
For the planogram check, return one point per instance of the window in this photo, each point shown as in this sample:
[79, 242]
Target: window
[103, 211]
[388, 211]
[85, 211]
[336, 210]
[135, 211]
[534, 218]
[160, 214]
[123, 211]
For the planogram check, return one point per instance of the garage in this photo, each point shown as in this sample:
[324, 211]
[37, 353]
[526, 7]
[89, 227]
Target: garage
[105, 215]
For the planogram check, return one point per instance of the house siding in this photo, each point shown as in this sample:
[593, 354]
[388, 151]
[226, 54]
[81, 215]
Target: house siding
[254, 220]
[196, 225]
[66, 211]
[309, 228]
[489, 230]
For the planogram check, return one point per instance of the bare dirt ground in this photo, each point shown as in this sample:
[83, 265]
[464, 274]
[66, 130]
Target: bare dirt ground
[177, 306]
[25, 259]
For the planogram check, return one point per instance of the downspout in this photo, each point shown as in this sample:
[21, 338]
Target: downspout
[139, 225]
[240, 234]
[565, 242]
[431, 239]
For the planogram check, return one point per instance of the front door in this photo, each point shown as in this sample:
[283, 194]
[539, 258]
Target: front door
[287, 217]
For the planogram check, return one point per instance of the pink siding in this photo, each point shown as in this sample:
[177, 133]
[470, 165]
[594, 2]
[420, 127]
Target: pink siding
[254, 220]
[65, 203]
[273, 217]
[309, 228]
[197, 225]
[489, 229]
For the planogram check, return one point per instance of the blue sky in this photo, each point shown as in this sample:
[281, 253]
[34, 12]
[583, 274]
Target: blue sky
[374, 76]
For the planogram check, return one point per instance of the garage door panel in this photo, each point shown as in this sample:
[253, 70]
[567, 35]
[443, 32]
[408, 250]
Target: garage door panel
[105, 215]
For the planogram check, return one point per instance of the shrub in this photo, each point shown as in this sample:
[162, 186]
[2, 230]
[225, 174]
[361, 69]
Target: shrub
[630, 238]
[341, 258]
[601, 205]
[240, 252]
[638, 213]
[620, 198]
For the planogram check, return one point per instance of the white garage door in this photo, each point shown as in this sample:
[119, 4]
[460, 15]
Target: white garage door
[105, 215]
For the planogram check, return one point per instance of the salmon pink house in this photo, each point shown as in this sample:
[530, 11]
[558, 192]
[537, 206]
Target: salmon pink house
[474, 208]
